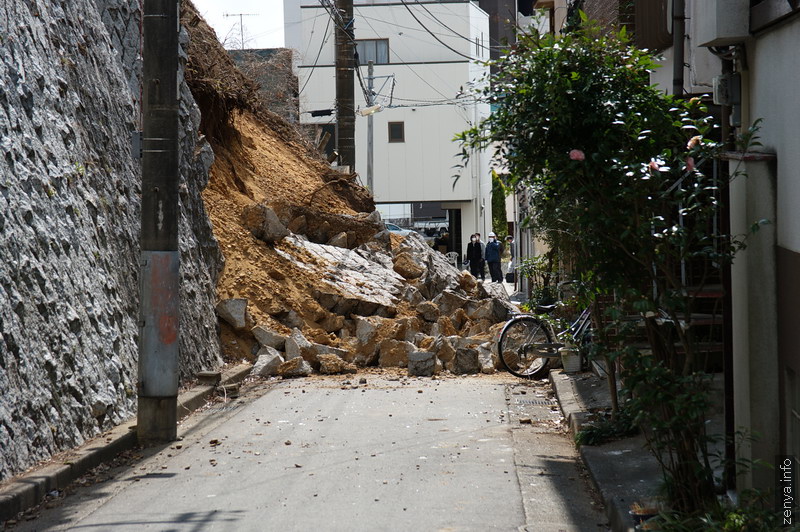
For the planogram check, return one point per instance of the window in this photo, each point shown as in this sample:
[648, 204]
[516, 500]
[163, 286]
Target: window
[375, 50]
[397, 132]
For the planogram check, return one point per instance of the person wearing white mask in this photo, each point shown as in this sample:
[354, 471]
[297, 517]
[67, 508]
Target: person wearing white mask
[492, 256]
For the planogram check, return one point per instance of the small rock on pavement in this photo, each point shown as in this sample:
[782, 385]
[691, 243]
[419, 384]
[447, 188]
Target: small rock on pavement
[268, 338]
[331, 364]
[234, 312]
[268, 362]
[421, 363]
[296, 367]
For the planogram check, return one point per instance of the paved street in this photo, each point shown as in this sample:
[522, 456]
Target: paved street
[395, 453]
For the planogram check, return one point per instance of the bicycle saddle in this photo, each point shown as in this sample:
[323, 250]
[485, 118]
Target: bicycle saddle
[545, 309]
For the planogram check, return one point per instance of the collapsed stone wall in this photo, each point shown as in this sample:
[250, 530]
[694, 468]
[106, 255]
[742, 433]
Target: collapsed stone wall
[69, 219]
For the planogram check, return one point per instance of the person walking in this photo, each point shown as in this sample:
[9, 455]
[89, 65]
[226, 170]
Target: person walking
[492, 256]
[510, 277]
[475, 256]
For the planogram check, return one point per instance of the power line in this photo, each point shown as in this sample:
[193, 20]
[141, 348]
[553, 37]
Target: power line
[432, 34]
[481, 45]
[319, 52]
[413, 71]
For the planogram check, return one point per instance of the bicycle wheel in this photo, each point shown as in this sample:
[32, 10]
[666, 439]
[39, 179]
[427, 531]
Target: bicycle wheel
[520, 347]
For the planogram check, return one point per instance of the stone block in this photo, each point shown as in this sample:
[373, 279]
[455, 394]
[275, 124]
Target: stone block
[296, 344]
[421, 363]
[394, 353]
[268, 338]
[265, 225]
[466, 361]
[330, 364]
[428, 310]
[339, 240]
[268, 362]
[406, 265]
[488, 360]
[296, 367]
[234, 312]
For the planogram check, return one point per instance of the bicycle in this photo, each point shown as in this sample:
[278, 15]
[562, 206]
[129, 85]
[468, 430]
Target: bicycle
[526, 345]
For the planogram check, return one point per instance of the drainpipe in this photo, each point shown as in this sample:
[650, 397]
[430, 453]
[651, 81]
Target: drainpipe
[678, 41]
[727, 302]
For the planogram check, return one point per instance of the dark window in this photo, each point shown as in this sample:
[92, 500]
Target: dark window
[375, 50]
[397, 132]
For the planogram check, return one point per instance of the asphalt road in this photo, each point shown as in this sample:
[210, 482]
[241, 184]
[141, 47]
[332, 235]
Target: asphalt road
[395, 453]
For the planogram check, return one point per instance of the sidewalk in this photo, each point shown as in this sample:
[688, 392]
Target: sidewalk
[29, 489]
[623, 471]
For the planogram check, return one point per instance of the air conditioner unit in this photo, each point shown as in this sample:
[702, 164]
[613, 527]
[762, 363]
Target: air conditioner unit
[720, 22]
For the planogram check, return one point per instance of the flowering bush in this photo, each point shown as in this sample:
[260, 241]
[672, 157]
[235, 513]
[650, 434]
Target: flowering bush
[613, 170]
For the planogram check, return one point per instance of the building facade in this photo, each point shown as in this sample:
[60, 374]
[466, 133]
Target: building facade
[426, 58]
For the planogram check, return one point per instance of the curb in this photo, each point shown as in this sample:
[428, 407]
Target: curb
[617, 514]
[29, 489]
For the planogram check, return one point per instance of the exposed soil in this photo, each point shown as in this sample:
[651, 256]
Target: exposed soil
[260, 158]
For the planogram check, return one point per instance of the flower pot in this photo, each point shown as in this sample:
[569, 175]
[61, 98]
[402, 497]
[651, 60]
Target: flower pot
[570, 359]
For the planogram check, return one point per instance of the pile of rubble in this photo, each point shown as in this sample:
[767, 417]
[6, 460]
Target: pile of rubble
[381, 300]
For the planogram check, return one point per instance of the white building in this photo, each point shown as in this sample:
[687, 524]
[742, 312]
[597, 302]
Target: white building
[425, 60]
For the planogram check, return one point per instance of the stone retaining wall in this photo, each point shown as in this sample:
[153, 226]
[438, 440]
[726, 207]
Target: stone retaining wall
[69, 208]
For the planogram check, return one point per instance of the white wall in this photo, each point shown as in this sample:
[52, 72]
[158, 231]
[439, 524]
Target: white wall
[429, 79]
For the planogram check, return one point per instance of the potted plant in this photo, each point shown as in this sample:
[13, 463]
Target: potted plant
[570, 358]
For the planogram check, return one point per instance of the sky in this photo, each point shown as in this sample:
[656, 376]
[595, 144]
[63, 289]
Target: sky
[263, 24]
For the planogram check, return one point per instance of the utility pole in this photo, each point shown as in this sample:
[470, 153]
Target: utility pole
[678, 46]
[241, 23]
[370, 130]
[345, 97]
[159, 296]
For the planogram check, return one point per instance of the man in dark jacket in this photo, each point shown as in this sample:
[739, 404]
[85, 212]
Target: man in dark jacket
[492, 255]
[475, 257]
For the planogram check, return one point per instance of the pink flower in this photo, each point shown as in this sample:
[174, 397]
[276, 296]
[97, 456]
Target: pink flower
[654, 165]
[694, 141]
[577, 155]
[689, 164]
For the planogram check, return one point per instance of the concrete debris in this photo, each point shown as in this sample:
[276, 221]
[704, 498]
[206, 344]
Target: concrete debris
[234, 312]
[267, 363]
[268, 338]
[265, 225]
[466, 361]
[295, 367]
[422, 363]
[360, 314]
[330, 364]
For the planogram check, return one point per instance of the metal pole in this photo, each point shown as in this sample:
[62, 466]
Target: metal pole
[345, 98]
[159, 297]
[370, 130]
[678, 45]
